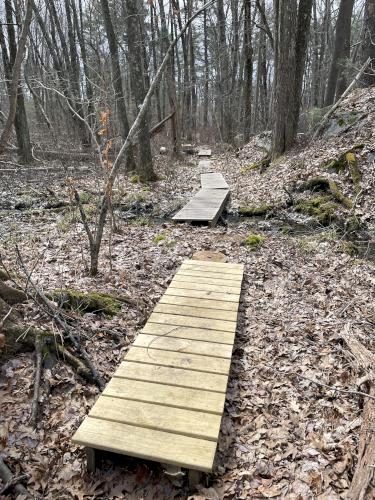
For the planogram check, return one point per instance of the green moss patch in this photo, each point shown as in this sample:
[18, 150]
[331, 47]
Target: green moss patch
[254, 241]
[347, 161]
[158, 238]
[322, 208]
[329, 186]
[349, 247]
[253, 210]
[94, 302]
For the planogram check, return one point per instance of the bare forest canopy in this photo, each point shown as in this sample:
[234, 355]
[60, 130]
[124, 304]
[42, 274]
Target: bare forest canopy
[240, 68]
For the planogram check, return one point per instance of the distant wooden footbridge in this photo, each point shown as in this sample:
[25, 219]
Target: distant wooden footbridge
[209, 202]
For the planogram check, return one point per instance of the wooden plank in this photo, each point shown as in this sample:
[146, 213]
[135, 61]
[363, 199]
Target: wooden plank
[207, 274]
[147, 444]
[206, 205]
[213, 180]
[166, 375]
[176, 291]
[168, 395]
[208, 281]
[204, 152]
[220, 305]
[230, 290]
[193, 362]
[154, 416]
[204, 269]
[197, 312]
[210, 263]
[183, 332]
[209, 324]
[206, 348]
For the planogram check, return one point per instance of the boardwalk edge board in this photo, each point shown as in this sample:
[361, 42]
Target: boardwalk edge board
[165, 400]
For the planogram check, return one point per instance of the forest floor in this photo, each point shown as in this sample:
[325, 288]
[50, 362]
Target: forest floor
[282, 435]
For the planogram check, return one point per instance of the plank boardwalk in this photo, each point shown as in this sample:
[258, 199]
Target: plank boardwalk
[208, 203]
[213, 180]
[204, 152]
[166, 399]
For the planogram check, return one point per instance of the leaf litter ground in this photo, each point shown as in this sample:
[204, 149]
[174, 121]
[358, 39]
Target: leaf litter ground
[282, 435]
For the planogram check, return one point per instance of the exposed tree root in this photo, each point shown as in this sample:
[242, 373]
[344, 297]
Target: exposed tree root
[11, 482]
[11, 295]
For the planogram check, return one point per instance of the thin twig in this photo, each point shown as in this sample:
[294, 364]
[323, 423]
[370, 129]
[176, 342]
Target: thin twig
[38, 373]
[334, 388]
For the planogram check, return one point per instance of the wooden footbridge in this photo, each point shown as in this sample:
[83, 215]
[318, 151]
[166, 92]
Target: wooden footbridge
[166, 399]
[209, 202]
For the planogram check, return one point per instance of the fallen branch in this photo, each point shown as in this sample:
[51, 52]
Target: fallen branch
[54, 312]
[38, 373]
[335, 388]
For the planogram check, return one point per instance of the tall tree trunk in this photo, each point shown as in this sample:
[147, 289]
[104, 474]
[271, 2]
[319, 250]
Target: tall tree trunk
[248, 70]
[341, 53]
[302, 34]
[139, 82]
[205, 72]
[226, 117]
[116, 80]
[14, 86]
[368, 43]
[292, 43]
[171, 85]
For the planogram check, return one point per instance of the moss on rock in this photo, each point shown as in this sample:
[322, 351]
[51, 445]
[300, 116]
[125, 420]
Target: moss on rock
[329, 186]
[87, 301]
[347, 161]
[254, 210]
[323, 208]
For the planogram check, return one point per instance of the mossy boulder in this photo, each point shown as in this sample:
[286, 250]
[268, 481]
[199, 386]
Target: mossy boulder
[328, 186]
[94, 302]
[322, 208]
[254, 241]
[347, 161]
[254, 210]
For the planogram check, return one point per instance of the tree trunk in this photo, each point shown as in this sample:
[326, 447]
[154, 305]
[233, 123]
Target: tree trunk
[248, 69]
[368, 43]
[171, 85]
[293, 32]
[139, 82]
[15, 93]
[116, 80]
[206, 72]
[337, 74]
